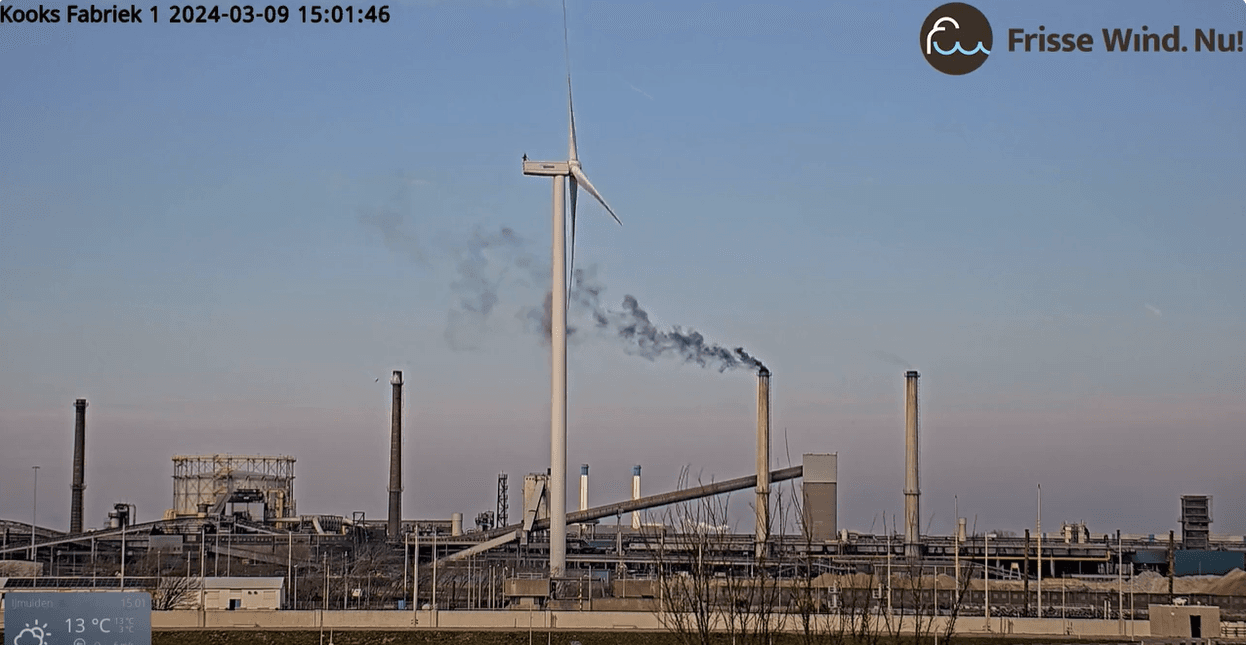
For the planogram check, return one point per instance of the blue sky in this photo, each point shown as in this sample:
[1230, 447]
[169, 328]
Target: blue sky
[189, 239]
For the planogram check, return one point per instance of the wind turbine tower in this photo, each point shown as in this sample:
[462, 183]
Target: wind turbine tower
[561, 172]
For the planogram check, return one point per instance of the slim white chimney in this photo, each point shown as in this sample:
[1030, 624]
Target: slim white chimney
[584, 487]
[912, 489]
[636, 495]
[763, 458]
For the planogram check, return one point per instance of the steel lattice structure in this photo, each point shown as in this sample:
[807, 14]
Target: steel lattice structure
[211, 481]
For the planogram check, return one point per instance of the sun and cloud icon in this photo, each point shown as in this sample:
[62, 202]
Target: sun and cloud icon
[33, 635]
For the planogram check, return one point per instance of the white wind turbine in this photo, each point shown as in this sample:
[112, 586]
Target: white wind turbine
[558, 325]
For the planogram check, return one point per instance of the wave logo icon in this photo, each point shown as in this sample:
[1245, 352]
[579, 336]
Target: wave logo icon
[944, 33]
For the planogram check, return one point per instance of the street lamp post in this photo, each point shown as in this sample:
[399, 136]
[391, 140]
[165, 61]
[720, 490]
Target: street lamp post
[1120, 582]
[986, 574]
[956, 541]
[889, 609]
[34, 516]
[434, 602]
[203, 555]
[415, 572]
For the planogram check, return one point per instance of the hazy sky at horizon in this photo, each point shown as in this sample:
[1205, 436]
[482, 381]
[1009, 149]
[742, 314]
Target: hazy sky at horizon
[224, 235]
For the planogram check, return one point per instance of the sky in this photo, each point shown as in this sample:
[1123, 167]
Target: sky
[225, 236]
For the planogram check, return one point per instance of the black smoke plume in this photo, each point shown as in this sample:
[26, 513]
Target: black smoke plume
[491, 261]
[643, 338]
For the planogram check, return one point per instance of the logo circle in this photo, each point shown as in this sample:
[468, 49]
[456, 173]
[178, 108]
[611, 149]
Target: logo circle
[956, 38]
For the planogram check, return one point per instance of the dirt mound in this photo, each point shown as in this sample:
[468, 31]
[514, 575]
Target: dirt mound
[1150, 582]
[1232, 583]
[857, 580]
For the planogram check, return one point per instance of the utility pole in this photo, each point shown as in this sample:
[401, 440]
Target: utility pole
[203, 554]
[324, 564]
[434, 603]
[415, 573]
[986, 575]
[1027, 572]
[956, 541]
[889, 611]
[34, 517]
[1171, 564]
[1120, 589]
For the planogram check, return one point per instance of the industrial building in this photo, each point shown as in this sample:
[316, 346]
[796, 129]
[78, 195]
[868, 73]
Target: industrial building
[233, 527]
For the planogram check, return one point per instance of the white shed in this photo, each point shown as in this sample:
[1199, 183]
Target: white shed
[244, 593]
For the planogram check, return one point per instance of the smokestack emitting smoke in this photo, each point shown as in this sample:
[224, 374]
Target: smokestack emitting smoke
[912, 491]
[80, 457]
[636, 495]
[394, 526]
[763, 458]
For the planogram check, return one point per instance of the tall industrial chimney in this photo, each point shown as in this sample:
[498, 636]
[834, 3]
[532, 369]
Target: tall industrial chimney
[394, 527]
[912, 489]
[584, 487]
[763, 458]
[636, 495]
[80, 458]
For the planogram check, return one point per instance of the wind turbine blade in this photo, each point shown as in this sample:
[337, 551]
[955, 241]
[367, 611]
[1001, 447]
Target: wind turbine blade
[571, 269]
[571, 151]
[566, 52]
[579, 176]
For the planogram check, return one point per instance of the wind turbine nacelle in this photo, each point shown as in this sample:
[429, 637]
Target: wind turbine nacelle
[547, 168]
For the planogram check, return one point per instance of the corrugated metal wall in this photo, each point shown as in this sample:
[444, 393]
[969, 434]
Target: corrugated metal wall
[1190, 563]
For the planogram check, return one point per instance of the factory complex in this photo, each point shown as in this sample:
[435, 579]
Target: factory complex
[233, 540]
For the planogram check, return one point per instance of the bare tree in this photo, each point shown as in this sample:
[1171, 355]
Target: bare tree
[175, 592]
[918, 595]
[960, 591]
[156, 572]
[688, 588]
[749, 604]
[704, 587]
[376, 572]
[706, 590]
[828, 606]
